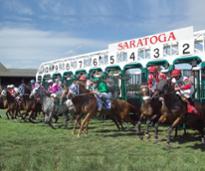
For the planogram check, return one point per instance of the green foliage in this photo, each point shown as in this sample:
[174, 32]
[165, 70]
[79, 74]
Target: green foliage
[36, 147]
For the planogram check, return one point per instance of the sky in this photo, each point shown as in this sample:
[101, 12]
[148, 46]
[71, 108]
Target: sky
[34, 31]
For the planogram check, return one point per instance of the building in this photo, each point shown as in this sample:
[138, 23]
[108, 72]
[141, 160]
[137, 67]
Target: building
[15, 76]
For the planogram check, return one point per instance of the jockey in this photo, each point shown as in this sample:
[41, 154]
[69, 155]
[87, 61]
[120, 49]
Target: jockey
[73, 89]
[153, 78]
[104, 94]
[162, 76]
[90, 85]
[12, 90]
[54, 89]
[184, 89]
[32, 84]
[50, 83]
[21, 89]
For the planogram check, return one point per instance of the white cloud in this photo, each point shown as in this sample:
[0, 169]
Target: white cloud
[25, 47]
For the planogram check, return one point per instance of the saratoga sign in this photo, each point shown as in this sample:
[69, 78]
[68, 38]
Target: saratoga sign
[154, 40]
[146, 41]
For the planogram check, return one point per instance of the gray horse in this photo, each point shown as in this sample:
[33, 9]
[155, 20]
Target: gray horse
[50, 107]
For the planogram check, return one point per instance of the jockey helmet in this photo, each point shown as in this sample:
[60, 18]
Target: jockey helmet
[50, 81]
[8, 86]
[186, 79]
[16, 90]
[176, 72]
[82, 78]
[32, 81]
[152, 69]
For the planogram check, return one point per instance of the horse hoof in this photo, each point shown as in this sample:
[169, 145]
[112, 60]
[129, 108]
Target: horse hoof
[156, 141]
[203, 141]
[141, 137]
[147, 136]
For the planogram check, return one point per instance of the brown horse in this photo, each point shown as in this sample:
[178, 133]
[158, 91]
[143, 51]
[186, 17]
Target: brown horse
[12, 105]
[174, 112]
[29, 107]
[3, 100]
[85, 105]
[149, 110]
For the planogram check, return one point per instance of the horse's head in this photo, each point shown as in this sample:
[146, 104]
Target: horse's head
[37, 91]
[162, 89]
[4, 93]
[145, 92]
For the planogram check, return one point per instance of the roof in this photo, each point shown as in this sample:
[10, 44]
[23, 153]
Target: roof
[15, 72]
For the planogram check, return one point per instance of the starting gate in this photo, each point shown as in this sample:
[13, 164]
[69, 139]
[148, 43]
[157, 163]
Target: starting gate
[126, 62]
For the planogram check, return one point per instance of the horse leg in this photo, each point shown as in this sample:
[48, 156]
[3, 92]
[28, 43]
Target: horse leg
[7, 114]
[148, 122]
[202, 137]
[48, 120]
[121, 124]
[85, 129]
[156, 132]
[138, 127]
[76, 123]
[116, 123]
[85, 120]
[176, 132]
[66, 118]
[170, 129]
[31, 116]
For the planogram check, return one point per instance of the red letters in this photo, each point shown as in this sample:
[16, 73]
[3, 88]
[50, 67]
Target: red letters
[171, 36]
[146, 41]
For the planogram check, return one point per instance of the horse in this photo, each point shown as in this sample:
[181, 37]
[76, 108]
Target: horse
[174, 111]
[149, 111]
[85, 104]
[50, 108]
[3, 101]
[29, 107]
[10, 102]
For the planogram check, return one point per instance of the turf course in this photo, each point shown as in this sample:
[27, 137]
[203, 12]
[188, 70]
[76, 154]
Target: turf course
[36, 147]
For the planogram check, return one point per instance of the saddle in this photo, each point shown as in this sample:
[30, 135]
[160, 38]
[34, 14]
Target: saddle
[191, 109]
[103, 103]
[106, 103]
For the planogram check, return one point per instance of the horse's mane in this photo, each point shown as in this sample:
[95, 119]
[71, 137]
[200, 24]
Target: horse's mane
[170, 96]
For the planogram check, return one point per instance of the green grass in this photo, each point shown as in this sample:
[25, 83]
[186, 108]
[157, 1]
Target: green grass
[36, 147]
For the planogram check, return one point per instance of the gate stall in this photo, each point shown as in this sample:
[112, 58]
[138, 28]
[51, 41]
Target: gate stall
[115, 75]
[45, 80]
[68, 78]
[133, 78]
[78, 73]
[202, 83]
[190, 68]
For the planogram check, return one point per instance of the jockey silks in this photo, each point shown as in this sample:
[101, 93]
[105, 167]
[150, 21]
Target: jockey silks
[74, 89]
[152, 82]
[102, 87]
[186, 89]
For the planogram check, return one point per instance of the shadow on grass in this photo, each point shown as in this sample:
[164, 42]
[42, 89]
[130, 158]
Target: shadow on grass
[119, 134]
[197, 147]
